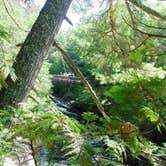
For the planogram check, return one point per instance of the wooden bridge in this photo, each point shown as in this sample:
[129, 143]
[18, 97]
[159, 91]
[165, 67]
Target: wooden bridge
[66, 79]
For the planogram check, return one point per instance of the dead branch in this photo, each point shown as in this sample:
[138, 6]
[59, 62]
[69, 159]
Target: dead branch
[83, 79]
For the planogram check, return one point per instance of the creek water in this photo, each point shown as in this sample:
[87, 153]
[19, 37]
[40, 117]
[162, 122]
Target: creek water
[43, 156]
[44, 153]
[63, 107]
[25, 159]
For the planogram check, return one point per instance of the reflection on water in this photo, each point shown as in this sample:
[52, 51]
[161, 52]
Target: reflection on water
[44, 158]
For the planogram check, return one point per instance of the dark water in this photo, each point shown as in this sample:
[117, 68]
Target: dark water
[43, 157]
[63, 109]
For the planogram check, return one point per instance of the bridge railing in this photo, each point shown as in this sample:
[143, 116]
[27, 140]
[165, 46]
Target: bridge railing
[68, 79]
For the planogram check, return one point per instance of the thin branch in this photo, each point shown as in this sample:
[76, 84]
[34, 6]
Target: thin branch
[33, 154]
[134, 26]
[83, 79]
[130, 13]
[135, 19]
[145, 33]
[36, 101]
[151, 34]
[114, 32]
[12, 18]
[151, 26]
[68, 20]
[139, 45]
[148, 10]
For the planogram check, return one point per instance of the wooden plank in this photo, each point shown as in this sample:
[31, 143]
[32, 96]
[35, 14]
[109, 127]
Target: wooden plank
[65, 79]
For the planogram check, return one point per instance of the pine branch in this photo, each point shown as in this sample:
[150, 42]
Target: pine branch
[141, 31]
[148, 10]
[12, 18]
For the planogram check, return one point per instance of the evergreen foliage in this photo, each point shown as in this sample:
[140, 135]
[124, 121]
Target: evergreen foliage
[122, 55]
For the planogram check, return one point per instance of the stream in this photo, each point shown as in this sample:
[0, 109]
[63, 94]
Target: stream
[64, 107]
[25, 159]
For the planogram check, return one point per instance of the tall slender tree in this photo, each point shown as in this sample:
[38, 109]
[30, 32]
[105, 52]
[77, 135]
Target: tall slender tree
[33, 52]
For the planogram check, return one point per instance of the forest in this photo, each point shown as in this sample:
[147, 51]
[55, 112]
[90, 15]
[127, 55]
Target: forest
[82, 82]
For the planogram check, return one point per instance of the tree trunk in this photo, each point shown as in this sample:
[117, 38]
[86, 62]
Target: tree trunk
[33, 52]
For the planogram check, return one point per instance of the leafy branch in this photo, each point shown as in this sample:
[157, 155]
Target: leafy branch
[148, 10]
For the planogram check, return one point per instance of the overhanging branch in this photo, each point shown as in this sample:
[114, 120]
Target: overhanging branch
[83, 79]
[141, 31]
[146, 9]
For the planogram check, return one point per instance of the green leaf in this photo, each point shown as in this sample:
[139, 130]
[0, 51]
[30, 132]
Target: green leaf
[2, 79]
[137, 56]
[89, 116]
[147, 113]
[149, 44]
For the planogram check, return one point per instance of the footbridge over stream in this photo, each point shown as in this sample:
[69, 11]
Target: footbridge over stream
[66, 79]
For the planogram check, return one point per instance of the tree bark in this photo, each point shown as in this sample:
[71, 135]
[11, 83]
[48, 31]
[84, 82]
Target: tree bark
[33, 52]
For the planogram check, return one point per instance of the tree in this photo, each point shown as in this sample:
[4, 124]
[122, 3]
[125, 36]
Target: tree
[33, 52]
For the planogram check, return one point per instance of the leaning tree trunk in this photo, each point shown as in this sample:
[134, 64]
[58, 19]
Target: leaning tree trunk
[33, 52]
